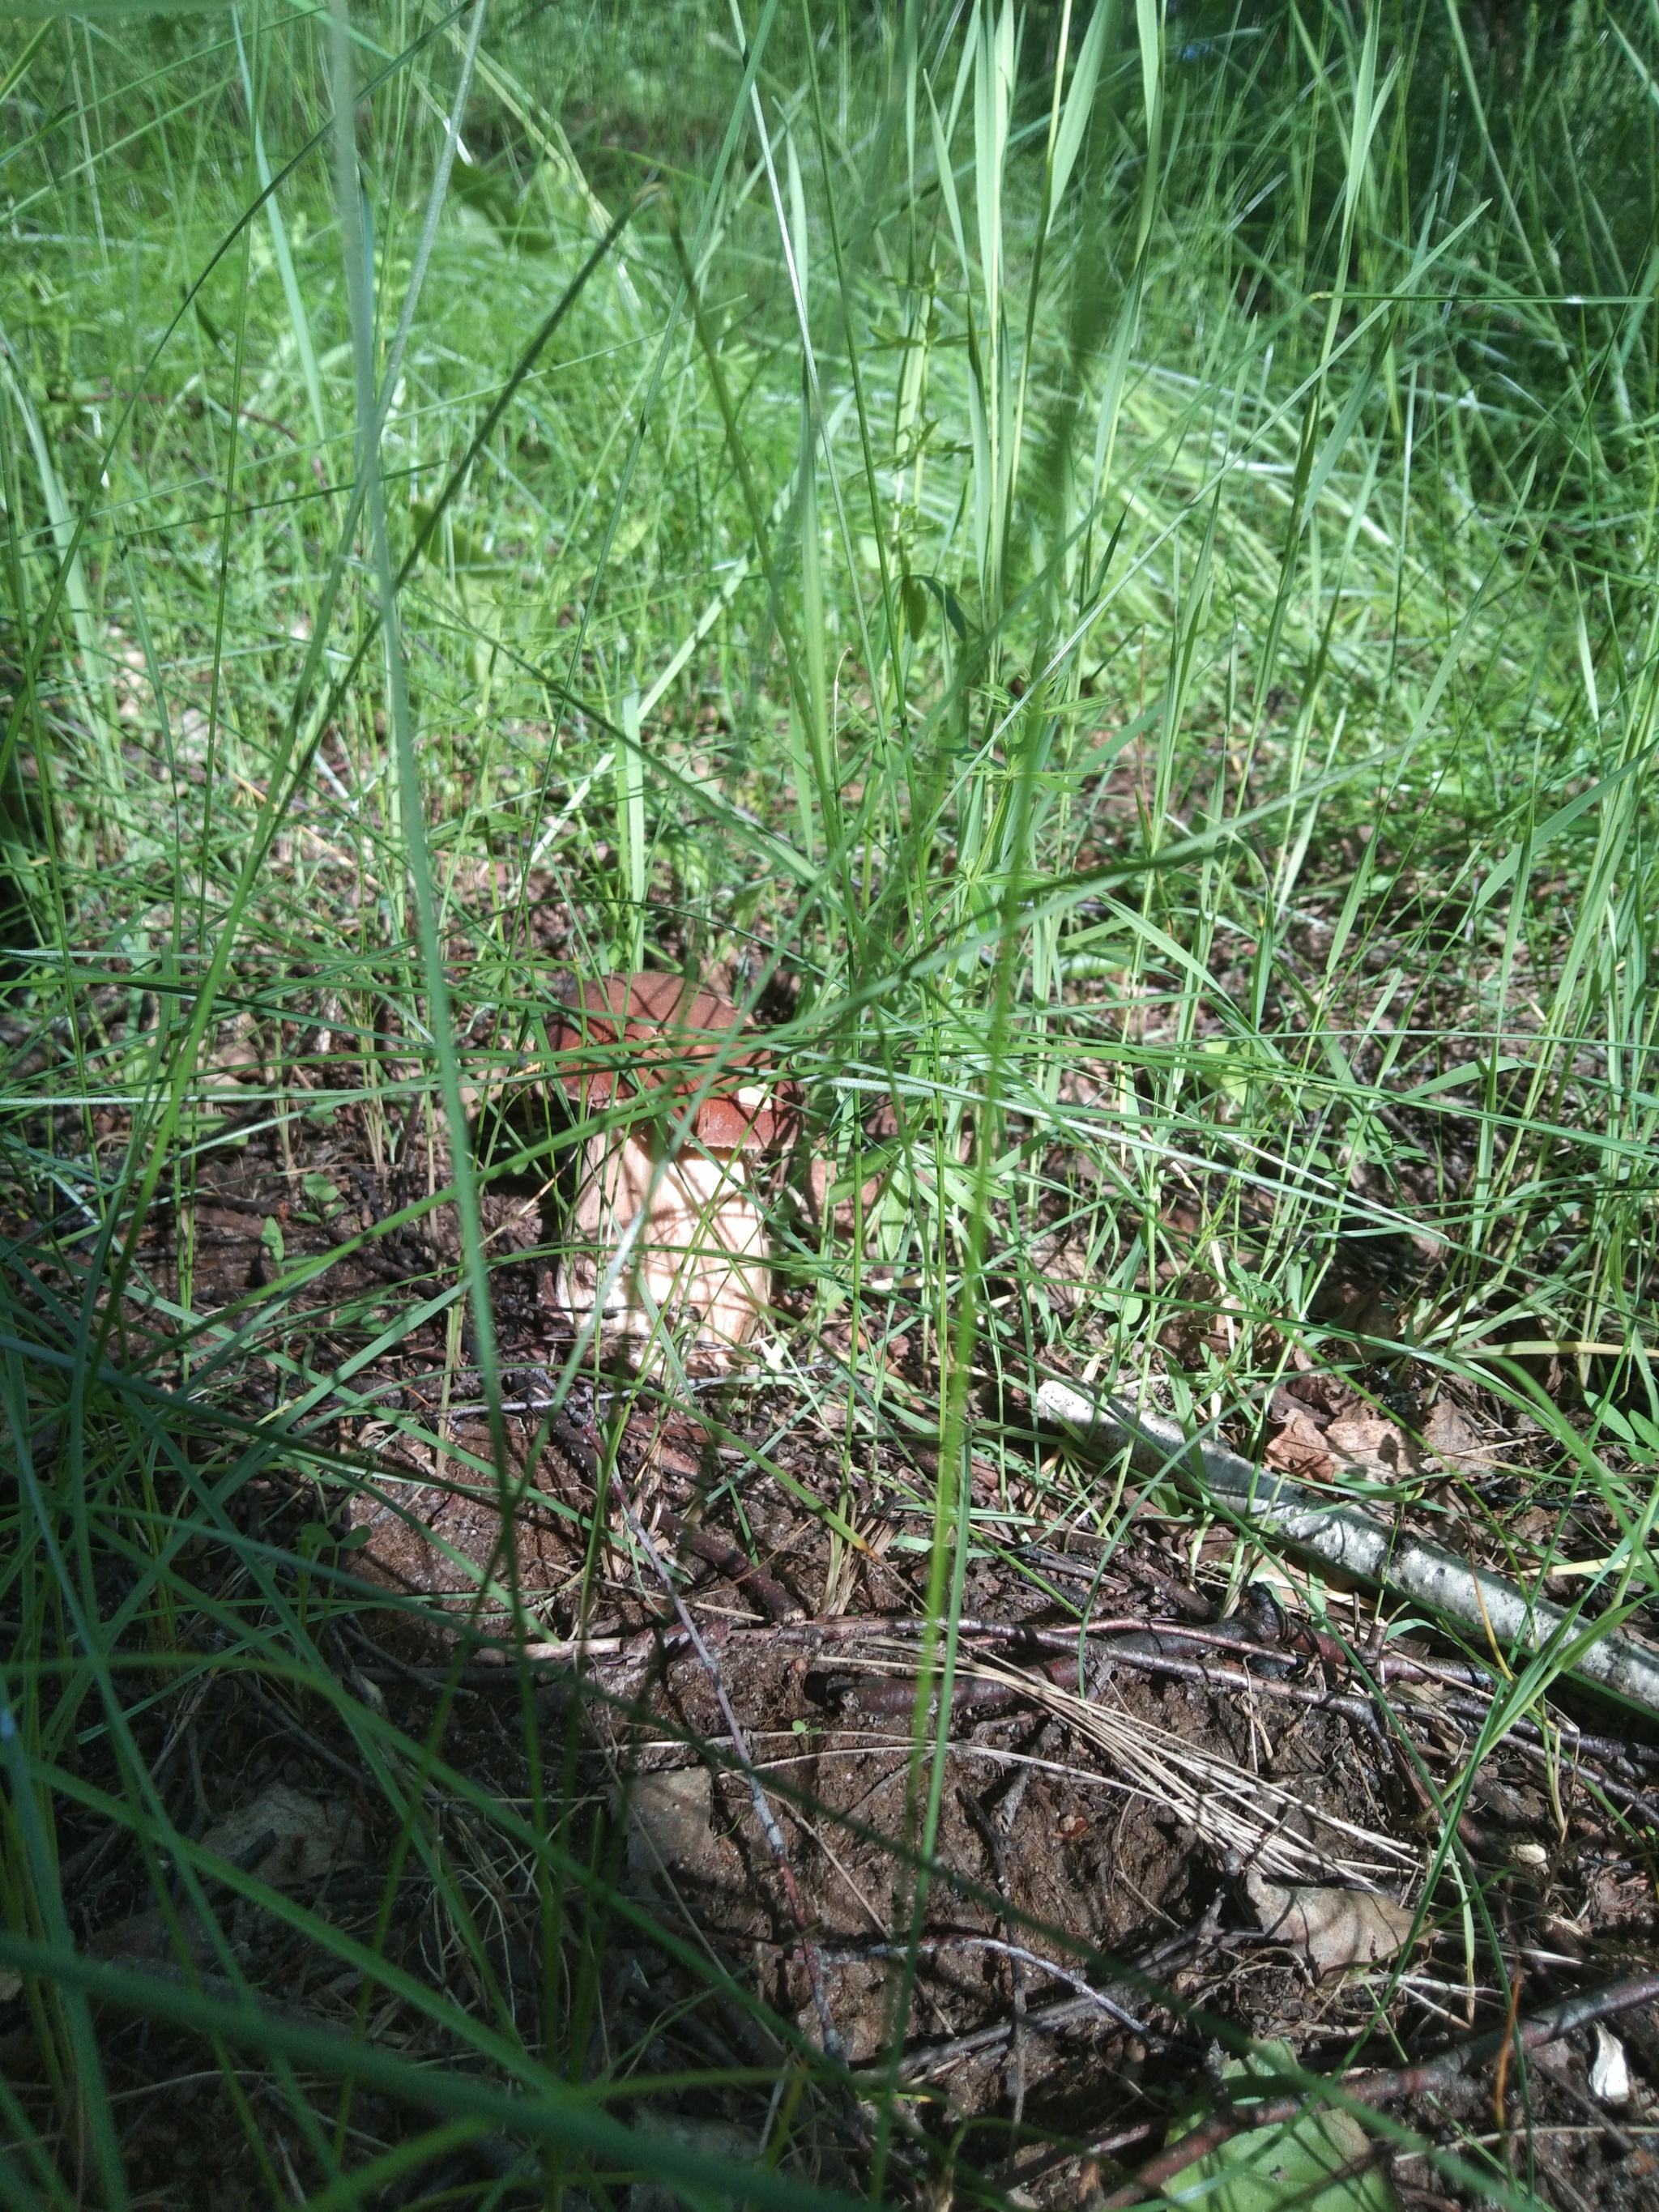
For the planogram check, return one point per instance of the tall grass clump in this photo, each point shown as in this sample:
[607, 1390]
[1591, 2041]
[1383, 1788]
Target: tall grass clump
[1094, 561]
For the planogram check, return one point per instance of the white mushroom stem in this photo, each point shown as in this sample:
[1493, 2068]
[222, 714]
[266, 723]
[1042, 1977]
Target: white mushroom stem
[1358, 1542]
[698, 1241]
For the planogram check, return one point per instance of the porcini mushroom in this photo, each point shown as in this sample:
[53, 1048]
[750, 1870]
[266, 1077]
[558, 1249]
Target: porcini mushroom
[676, 1206]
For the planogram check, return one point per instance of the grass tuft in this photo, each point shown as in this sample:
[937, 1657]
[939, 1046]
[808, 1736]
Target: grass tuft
[1093, 565]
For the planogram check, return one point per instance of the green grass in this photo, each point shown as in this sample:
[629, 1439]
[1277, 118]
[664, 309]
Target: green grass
[1114, 556]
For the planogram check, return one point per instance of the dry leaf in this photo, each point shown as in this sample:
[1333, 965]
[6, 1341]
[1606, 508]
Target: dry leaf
[1331, 1927]
[511, 1222]
[708, 2138]
[1620, 1903]
[1299, 1449]
[1449, 1437]
[670, 1826]
[307, 1840]
[1609, 2075]
[822, 1186]
[1328, 1397]
[1365, 1444]
[149, 1935]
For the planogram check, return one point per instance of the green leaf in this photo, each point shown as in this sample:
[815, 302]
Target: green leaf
[323, 1192]
[271, 1240]
[954, 613]
[1080, 101]
[916, 605]
[1563, 818]
[1317, 2163]
[472, 556]
[1638, 1435]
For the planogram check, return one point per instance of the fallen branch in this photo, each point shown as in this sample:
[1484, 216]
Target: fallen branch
[1361, 2088]
[1049, 2018]
[1358, 1542]
[1091, 1998]
[768, 1594]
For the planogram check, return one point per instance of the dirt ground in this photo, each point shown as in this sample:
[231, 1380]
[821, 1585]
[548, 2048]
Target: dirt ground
[1119, 1821]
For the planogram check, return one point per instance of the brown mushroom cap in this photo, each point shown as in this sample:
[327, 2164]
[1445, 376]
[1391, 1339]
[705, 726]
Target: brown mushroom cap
[617, 1036]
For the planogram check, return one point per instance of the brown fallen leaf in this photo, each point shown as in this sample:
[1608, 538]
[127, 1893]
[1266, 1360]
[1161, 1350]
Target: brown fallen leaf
[1450, 1436]
[287, 1838]
[1365, 1444]
[1325, 1420]
[1325, 1396]
[710, 2138]
[149, 1935]
[1299, 1449]
[1332, 1929]
[831, 1192]
[671, 1828]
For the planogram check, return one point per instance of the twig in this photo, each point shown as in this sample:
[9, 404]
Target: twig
[844, 1628]
[1544, 2027]
[1579, 1748]
[1051, 2019]
[1358, 1542]
[1081, 1986]
[991, 1835]
[902, 1690]
[774, 1600]
[833, 2045]
[1047, 2020]
[388, 1667]
[301, 1734]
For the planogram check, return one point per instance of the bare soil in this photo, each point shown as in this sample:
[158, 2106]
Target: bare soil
[1047, 1983]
